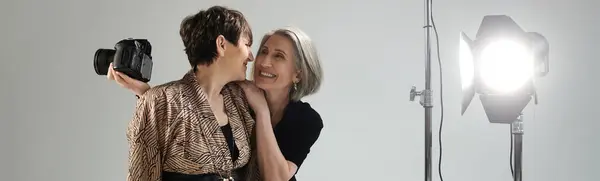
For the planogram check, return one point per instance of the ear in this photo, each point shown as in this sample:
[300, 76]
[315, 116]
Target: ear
[220, 42]
[296, 78]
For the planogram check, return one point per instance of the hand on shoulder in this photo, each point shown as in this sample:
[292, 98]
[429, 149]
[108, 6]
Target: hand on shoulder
[256, 97]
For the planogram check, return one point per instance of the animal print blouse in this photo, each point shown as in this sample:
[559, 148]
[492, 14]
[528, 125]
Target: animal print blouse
[174, 130]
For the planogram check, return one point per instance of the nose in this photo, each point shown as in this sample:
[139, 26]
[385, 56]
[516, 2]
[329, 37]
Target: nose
[250, 56]
[266, 62]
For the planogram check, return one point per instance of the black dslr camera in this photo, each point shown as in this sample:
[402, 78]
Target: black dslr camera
[130, 56]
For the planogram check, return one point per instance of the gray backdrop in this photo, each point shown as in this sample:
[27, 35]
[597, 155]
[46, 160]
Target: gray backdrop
[62, 122]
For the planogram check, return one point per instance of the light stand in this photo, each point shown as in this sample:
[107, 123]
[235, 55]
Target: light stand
[517, 131]
[501, 66]
[426, 95]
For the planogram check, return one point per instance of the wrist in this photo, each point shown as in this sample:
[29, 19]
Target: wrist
[263, 116]
[141, 91]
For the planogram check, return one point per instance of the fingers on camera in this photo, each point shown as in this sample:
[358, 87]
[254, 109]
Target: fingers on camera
[119, 80]
[110, 75]
[124, 77]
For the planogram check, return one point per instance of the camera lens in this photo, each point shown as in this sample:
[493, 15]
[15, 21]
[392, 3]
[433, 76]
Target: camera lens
[102, 59]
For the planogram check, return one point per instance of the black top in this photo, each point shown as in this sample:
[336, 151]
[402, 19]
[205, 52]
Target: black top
[230, 142]
[297, 131]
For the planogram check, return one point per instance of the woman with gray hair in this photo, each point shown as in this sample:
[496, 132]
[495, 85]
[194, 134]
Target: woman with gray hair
[286, 69]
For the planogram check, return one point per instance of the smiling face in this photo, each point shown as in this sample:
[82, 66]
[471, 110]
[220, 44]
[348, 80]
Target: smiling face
[274, 67]
[235, 57]
[287, 62]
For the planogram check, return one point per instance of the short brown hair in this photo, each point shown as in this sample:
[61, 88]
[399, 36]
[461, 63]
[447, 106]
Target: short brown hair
[200, 31]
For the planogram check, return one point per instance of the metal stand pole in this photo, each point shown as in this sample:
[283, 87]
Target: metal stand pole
[517, 131]
[426, 95]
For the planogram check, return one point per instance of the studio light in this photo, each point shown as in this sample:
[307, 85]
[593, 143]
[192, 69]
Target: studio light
[501, 66]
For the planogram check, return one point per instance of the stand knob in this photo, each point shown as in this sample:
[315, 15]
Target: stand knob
[414, 93]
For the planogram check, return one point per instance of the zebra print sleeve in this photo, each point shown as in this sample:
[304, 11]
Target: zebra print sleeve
[144, 154]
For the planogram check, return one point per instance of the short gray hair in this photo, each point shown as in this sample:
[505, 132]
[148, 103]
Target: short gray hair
[307, 61]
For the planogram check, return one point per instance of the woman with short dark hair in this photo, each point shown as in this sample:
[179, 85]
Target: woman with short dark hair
[198, 127]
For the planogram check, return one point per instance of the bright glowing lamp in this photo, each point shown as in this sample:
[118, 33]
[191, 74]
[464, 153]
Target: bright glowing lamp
[501, 65]
[505, 65]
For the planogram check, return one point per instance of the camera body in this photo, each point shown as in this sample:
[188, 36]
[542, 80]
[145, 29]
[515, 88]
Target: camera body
[129, 56]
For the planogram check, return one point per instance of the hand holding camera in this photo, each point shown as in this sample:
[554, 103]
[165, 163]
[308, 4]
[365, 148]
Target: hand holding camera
[129, 64]
[136, 86]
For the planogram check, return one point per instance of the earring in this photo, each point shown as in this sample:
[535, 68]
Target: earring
[295, 86]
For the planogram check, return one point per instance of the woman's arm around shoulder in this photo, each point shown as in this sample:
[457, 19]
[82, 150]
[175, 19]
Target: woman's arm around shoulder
[303, 132]
[294, 139]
